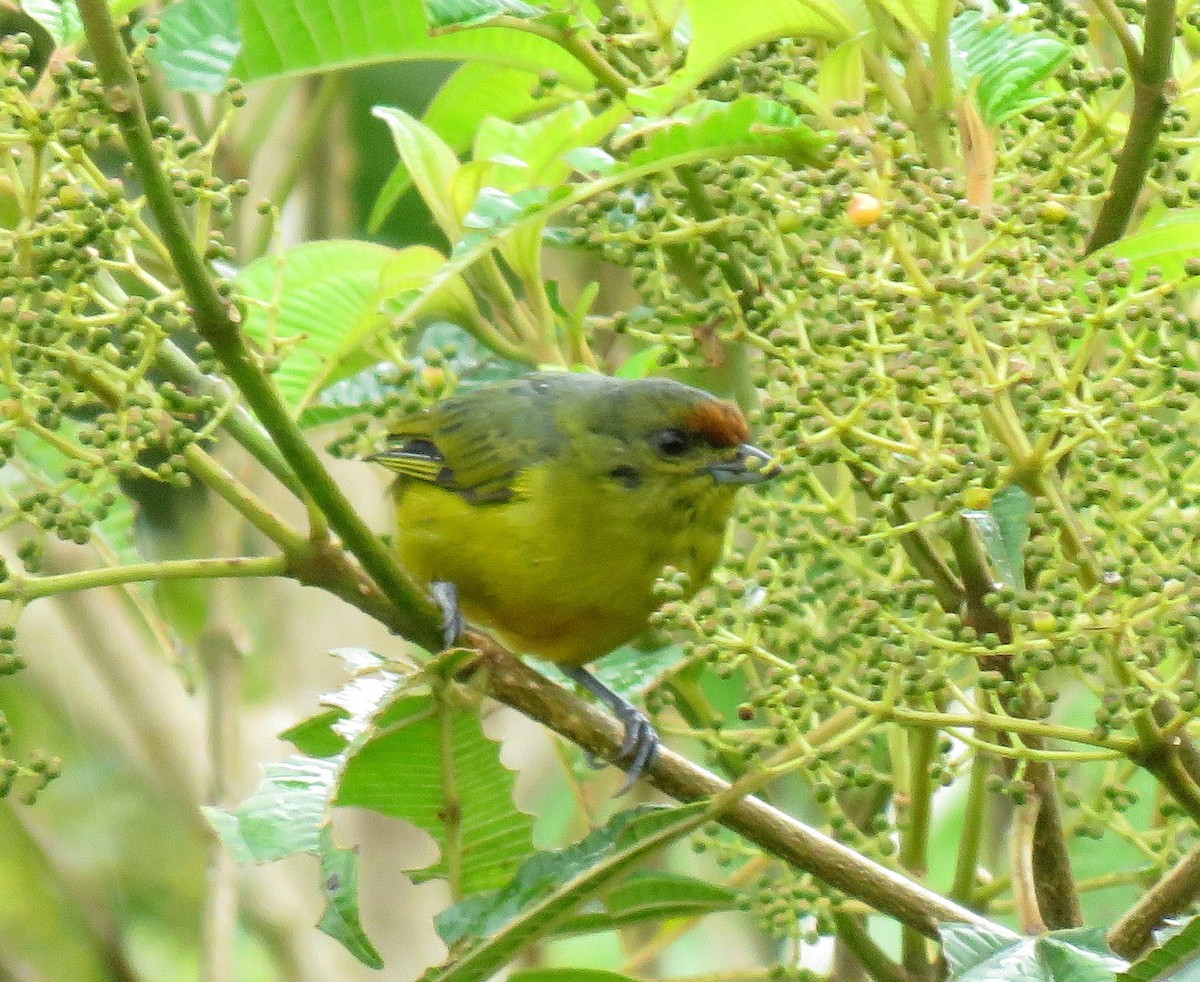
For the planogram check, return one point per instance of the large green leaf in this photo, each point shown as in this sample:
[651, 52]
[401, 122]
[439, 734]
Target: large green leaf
[325, 303]
[1008, 65]
[652, 896]
[397, 749]
[457, 14]
[198, 42]
[486, 932]
[752, 124]
[318, 35]
[721, 29]
[430, 165]
[478, 90]
[1167, 245]
[1076, 955]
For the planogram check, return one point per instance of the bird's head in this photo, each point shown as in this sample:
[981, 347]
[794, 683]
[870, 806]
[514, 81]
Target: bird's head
[654, 434]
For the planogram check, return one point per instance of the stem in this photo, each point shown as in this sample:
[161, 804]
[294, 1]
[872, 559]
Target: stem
[1130, 936]
[971, 836]
[30, 588]
[1151, 79]
[217, 322]
[222, 668]
[1025, 894]
[881, 968]
[914, 837]
[800, 845]
[1116, 20]
[181, 370]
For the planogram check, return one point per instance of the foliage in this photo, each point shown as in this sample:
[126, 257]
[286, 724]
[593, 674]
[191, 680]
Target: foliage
[957, 636]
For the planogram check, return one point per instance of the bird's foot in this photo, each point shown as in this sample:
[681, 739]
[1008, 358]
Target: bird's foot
[639, 747]
[445, 595]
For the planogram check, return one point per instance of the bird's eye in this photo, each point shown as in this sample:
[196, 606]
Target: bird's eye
[671, 443]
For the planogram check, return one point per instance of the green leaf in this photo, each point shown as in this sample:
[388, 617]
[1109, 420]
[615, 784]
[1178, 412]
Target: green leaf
[721, 29]
[1009, 66]
[444, 757]
[1004, 530]
[431, 166]
[443, 14]
[652, 897]
[198, 42]
[630, 670]
[340, 920]
[1176, 954]
[59, 17]
[918, 16]
[321, 35]
[752, 124]
[284, 816]
[982, 955]
[1167, 245]
[840, 77]
[488, 931]
[478, 90]
[326, 301]
[398, 750]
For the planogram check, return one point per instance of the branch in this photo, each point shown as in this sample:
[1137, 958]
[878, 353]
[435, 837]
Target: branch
[800, 845]
[1130, 936]
[217, 321]
[1151, 79]
[30, 588]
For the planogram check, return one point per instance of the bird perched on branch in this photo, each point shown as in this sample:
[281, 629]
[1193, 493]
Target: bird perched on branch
[544, 509]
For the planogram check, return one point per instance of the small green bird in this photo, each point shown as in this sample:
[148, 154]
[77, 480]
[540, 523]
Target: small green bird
[544, 509]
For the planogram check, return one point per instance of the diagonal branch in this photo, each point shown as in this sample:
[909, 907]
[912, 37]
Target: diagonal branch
[806, 848]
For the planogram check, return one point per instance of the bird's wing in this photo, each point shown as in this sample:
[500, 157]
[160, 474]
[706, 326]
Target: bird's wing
[475, 444]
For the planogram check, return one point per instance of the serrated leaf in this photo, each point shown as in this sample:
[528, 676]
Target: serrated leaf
[551, 886]
[198, 42]
[1008, 65]
[326, 301]
[840, 77]
[721, 29]
[284, 815]
[60, 18]
[918, 16]
[1167, 245]
[365, 392]
[444, 757]
[340, 919]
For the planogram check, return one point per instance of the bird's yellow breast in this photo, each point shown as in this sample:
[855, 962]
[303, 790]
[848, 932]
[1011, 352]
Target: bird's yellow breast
[564, 569]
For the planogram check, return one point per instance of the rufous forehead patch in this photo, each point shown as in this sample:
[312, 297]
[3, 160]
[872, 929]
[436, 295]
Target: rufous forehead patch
[720, 423]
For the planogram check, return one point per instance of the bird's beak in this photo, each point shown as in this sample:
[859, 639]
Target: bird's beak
[750, 466]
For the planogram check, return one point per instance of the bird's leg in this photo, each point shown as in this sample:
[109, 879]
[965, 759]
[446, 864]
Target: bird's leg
[445, 595]
[640, 745]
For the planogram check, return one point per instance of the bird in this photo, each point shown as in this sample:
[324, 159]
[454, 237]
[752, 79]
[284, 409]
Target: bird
[544, 508]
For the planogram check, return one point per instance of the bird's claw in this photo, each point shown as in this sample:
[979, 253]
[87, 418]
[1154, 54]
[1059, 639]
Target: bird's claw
[445, 595]
[639, 747]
